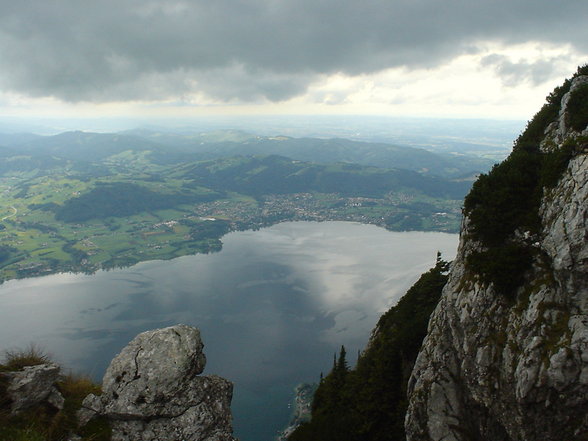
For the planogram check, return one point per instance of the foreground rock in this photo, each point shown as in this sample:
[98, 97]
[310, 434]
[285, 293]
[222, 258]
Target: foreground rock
[32, 386]
[152, 391]
[499, 369]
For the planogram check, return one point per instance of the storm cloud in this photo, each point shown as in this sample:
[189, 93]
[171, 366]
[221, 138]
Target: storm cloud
[255, 50]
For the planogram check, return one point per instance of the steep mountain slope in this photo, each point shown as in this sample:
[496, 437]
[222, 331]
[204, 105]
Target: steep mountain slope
[506, 355]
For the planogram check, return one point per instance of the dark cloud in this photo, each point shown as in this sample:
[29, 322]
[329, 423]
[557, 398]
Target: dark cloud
[251, 50]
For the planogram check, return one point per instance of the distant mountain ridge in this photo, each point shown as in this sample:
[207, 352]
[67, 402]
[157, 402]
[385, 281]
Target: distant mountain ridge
[167, 147]
[85, 146]
[14, 139]
[218, 144]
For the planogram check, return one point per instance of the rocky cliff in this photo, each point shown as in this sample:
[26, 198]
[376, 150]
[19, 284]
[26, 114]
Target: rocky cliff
[506, 354]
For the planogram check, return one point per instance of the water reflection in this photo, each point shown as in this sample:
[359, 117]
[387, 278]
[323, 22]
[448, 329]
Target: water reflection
[272, 307]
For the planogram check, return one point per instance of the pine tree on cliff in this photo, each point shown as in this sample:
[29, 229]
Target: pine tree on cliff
[368, 402]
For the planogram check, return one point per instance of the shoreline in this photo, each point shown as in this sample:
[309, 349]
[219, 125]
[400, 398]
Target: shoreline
[215, 246]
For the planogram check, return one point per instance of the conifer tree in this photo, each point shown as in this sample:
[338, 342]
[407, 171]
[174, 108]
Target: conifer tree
[368, 403]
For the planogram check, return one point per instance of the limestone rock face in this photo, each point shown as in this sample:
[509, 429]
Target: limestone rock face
[32, 386]
[496, 371]
[152, 391]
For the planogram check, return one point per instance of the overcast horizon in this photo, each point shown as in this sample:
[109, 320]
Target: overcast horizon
[183, 59]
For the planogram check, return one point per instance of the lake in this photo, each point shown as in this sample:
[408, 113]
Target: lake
[273, 307]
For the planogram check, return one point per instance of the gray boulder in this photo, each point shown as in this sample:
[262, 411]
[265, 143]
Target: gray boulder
[33, 385]
[152, 391]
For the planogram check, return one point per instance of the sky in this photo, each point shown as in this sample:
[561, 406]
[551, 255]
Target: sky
[175, 58]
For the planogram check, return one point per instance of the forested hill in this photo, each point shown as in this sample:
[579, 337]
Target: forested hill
[120, 200]
[263, 175]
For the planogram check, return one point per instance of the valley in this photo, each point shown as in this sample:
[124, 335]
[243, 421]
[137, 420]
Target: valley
[82, 202]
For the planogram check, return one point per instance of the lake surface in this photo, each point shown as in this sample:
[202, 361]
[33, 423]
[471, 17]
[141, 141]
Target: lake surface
[273, 307]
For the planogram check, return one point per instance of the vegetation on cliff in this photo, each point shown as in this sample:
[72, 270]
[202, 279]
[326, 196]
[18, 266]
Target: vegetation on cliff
[369, 401]
[44, 422]
[506, 200]
[578, 108]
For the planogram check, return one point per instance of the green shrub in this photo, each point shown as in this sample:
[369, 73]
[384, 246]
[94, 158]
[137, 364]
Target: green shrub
[507, 199]
[504, 266]
[577, 114]
[556, 162]
[582, 70]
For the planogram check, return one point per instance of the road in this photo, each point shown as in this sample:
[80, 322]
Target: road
[10, 215]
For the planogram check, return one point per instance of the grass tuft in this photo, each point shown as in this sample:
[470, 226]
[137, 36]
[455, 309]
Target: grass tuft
[33, 355]
[45, 423]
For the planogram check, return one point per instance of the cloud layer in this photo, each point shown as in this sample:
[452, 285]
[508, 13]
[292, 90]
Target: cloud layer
[256, 50]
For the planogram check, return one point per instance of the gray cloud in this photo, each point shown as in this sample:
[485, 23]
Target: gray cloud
[515, 73]
[252, 50]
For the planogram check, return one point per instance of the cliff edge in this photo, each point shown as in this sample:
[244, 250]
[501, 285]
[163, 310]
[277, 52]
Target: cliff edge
[506, 353]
